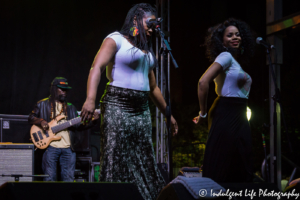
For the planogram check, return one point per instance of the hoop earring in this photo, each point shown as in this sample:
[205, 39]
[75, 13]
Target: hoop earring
[134, 31]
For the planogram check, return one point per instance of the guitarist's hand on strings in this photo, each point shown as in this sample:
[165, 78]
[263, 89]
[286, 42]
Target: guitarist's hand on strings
[44, 125]
[87, 111]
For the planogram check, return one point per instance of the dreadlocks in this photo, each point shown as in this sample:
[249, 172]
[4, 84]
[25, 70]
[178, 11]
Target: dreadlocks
[138, 12]
[52, 98]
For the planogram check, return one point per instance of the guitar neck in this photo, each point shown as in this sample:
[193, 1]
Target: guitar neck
[66, 124]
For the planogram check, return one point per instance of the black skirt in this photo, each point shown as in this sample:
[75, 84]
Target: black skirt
[228, 153]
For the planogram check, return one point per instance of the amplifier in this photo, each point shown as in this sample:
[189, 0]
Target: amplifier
[14, 128]
[83, 169]
[16, 159]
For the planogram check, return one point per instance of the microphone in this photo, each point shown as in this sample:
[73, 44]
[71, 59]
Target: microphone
[152, 23]
[259, 40]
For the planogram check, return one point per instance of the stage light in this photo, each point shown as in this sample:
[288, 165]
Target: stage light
[248, 113]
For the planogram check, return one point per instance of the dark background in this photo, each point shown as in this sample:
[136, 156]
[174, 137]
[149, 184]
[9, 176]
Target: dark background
[40, 40]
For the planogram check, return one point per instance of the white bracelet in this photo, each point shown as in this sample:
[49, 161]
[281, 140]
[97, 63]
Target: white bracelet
[202, 116]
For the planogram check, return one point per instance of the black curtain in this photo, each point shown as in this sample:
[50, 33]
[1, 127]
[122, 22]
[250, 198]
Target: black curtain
[40, 40]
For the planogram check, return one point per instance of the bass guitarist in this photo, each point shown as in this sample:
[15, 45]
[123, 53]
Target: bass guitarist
[60, 151]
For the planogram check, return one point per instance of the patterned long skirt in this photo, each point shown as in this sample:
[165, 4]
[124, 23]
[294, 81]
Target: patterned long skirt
[126, 141]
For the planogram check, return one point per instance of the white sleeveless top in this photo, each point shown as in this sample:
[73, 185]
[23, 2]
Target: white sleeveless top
[131, 66]
[233, 81]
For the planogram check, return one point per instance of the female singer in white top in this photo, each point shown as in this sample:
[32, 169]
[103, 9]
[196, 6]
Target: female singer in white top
[126, 145]
[228, 153]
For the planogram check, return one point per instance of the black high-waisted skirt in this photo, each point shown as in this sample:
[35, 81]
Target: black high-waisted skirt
[228, 153]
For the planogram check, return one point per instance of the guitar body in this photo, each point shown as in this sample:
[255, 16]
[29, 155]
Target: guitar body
[40, 138]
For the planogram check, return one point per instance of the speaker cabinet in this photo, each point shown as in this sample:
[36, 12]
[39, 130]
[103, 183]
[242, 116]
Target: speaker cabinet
[87, 142]
[16, 159]
[95, 145]
[83, 169]
[81, 143]
[177, 191]
[14, 128]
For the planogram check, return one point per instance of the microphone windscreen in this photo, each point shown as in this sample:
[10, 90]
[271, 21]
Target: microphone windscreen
[258, 40]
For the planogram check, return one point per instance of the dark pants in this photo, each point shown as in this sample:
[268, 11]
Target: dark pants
[67, 160]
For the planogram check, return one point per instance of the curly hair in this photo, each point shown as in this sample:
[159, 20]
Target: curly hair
[214, 40]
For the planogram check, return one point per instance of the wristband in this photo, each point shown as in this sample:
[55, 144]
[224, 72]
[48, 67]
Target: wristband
[202, 116]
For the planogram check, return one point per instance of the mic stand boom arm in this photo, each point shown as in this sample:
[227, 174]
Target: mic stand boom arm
[167, 45]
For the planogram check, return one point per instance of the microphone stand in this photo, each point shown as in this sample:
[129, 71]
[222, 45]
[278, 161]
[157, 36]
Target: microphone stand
[167, 47]
[167, 50]
[266, 159]
[277, 99]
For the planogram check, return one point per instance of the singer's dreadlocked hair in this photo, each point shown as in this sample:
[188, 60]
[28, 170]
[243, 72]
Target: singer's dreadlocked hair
[139, 11]
[140, 41]
[214, 40]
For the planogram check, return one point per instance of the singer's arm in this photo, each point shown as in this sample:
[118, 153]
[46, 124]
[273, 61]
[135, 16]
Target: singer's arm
[203, 86]
[102, 59]
[159, 101]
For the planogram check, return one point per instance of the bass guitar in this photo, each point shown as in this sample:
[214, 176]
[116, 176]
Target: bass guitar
[41, 138]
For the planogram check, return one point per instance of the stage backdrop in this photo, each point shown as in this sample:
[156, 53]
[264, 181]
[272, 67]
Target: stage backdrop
[40, 40]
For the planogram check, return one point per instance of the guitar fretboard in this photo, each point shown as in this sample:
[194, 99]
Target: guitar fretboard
[66, 124]
[69, 123]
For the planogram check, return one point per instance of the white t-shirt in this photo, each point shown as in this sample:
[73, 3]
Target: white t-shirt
[233, 81]
[131, 66]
